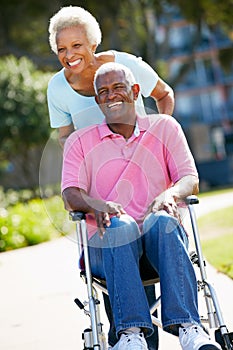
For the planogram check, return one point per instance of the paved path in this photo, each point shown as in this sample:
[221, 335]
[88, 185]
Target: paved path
[38, 285]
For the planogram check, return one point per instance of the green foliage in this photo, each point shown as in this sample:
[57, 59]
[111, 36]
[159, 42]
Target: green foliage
[125, 24]
[23, 107]
[23, 112]
[226, 58]
[23, 26]
[12, 197]
[25, 224]
[212, 12]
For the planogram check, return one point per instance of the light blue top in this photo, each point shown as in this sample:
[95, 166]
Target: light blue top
[66, 106]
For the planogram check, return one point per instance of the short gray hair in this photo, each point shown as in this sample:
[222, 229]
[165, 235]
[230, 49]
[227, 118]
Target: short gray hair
[116, 67]
[71, 16]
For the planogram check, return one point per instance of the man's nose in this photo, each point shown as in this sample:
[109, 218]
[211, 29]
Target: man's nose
[111, 93]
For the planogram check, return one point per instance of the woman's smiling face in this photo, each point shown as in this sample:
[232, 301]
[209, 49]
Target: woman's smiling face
[74, 49]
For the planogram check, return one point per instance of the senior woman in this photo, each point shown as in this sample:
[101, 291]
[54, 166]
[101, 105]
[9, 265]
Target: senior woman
[74, 35]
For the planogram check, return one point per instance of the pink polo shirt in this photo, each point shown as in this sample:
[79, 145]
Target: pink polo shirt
[131, 172]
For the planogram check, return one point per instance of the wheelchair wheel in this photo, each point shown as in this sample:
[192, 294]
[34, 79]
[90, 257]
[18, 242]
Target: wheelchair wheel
[226, 343]
[88, 341]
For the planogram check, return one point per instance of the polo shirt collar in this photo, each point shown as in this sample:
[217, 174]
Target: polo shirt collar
[142, 124]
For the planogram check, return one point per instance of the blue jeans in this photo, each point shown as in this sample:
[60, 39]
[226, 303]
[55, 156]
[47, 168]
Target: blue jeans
[116, 258]
[153, 340]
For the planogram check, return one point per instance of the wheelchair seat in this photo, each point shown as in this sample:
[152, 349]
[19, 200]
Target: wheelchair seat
[148, 275]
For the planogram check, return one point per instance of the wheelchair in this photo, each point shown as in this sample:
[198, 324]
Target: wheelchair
[94, 337]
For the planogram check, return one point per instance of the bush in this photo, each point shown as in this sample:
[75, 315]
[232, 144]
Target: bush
[23, 109]
[23, 104]
[33, 222]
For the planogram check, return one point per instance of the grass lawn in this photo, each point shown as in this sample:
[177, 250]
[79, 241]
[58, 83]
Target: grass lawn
[219, 253]
[215, 192]
[216, 231]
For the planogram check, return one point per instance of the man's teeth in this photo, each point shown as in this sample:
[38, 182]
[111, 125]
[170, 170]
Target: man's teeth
[75, 62]
[114, 104]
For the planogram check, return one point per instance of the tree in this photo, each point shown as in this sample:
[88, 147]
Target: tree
[23, 111]
[126, 24]
[211, 12]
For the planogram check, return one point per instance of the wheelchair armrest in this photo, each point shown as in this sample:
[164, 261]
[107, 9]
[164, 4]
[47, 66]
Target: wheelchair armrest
[77, 215]
[191, 200]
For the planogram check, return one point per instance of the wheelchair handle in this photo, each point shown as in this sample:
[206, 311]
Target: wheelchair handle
[77, 215]
[190, 200]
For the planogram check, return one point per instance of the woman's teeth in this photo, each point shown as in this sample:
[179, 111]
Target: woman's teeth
[74, 62]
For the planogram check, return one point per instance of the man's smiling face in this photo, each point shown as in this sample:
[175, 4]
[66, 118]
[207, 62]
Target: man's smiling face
[116, 96]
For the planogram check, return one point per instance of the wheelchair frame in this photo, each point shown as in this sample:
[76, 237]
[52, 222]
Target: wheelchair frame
[94, 338]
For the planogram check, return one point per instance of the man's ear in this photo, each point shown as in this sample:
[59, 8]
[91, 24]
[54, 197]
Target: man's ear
[136, 90]
[96, 99]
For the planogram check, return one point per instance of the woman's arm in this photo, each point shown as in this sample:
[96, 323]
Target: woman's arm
[164, 96]
[64, 132]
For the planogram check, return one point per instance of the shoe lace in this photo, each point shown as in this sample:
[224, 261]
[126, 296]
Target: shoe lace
[135, 340]
[190, 333]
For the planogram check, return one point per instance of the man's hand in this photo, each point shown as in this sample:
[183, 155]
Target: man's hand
[168, 199]
[165, 201]
[103, 217]
[77, 199]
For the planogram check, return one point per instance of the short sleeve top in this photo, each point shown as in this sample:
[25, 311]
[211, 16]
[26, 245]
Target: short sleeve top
[66, 106]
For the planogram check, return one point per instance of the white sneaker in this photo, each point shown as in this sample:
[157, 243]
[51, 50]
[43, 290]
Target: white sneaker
[195, 338]
[133, 341]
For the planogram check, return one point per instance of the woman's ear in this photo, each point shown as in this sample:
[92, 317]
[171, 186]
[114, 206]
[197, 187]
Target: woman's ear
[136, 90]
[93, 48]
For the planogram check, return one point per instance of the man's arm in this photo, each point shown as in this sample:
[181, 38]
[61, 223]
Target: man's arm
[76, 199]
[164, 96]
[186, 186]
[168, 199]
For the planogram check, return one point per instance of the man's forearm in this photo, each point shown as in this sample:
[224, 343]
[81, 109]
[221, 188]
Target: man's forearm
[185, 187]
[77, 199]
[168, 199]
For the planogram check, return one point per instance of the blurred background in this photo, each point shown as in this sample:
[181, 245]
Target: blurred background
[190, 45]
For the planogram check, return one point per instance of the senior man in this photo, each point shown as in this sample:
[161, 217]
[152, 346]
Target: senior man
[129, 175]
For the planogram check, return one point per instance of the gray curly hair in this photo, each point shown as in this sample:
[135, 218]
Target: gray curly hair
[117, 67]
[71, 16]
